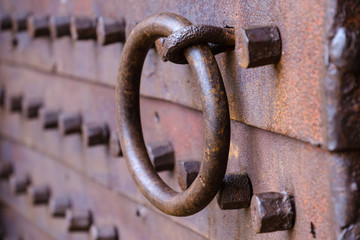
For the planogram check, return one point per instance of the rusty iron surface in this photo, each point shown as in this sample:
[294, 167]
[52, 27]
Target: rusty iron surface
[272, 162]
[291, 98]
[284, 98]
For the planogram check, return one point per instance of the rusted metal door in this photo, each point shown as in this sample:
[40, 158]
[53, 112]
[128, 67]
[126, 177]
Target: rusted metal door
[179, 119]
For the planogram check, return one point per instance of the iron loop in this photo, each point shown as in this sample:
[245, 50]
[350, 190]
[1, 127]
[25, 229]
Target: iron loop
[219, 40]
[215, 113]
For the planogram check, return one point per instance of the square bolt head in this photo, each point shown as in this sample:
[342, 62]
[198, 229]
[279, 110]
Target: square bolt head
[78, 219]
[59, 26]
[31, 108]
[235, 192]
[39, 194]
[272, 211]
[59, 205]
[162, 156]
[14, 103]
[95, 134]
[103, 232]
[70, 123]
[258, 46]
[49, 118]
[19, 184]
[6, 169]
[187, 172]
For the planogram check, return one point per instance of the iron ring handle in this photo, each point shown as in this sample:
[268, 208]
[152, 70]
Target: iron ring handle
[215, 113]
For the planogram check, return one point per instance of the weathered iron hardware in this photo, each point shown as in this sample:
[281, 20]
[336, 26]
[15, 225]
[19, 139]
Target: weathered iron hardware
[258, 46]
[83, 28]
[78, 219]
[103, 232]
[5, 23]
[110, 31]
[59, 205]
[59, 26]
[49, 118]
[95, 134]
[235, 192]
[39, 194]
[215, 112]
[272, 212]
[162, 156]
[38, 27]
[70, 123]
[31, 108]
[19, 184]
[187, 172]
[115, 148]
[172, 47]
[6, 169]
[19, 23]
[14, 103]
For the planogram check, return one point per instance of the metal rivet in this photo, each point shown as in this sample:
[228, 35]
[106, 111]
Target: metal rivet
[39, 194]
[103, 232]
[59, 26]
[83, 28]
[59, 205]
[19, 184]
[110, 31]
[38, 27]
[19, 23]
[6, 169]
[31, 108]
[5, 23]
[272, 212]
[115, 148]
[78, 219]
[49, 118]
[258, 46]
[95, 134]
[70, 123]
[235, 192]
[187, 172]
[14, 103]
[162, 156]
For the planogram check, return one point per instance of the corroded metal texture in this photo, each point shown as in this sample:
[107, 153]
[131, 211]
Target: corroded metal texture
[258, 46]
[235, 192]
[215, 111]
[272, 212]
